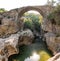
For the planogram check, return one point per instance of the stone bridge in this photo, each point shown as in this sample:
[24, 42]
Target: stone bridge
[18, 13]
[43, 10]
[10, 34]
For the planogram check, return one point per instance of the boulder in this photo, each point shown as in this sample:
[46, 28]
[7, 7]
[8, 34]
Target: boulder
[10, 41]
[8, 27]
[26, 37]
[9, 45]
[55, 58]
[53, 42]
[46, 25]
[3, 58]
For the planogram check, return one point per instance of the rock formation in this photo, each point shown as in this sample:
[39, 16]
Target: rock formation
[53, 37]
[55, 58]
[9, 45]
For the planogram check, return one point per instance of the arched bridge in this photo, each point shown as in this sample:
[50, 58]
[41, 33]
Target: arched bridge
[43, 10]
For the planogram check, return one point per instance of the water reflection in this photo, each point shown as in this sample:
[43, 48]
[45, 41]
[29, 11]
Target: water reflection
[34, 57]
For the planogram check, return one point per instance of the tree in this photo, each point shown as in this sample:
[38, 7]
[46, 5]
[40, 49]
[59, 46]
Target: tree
[2, 10]
[31, 21]
[51, 3]
[55, 15]
[48, 2]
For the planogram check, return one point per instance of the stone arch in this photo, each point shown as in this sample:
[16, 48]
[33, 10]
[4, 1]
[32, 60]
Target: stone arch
[22, 10]
[25, 9]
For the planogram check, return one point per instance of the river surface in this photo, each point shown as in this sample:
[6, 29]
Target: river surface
[26, 51]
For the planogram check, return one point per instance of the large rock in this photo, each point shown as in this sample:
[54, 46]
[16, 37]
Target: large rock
[26, 37]
[53, 42]
[8, 27]
[49, 27]
[9, 45]
[10, 23]
[55, 58]
[3, 58]
[52, 36]
[46, 25]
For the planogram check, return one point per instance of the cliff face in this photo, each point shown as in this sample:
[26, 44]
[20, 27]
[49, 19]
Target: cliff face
[52, 37]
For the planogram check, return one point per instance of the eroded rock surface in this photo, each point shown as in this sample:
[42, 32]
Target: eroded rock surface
[55, 58]
[26, 37]
[53, 37]
[8, 23]
[9, 46]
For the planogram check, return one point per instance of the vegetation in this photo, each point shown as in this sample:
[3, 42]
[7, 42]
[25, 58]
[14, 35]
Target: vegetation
[28, 23]
[51, 2]
[32, 21]
[2, 10]
[55, 14]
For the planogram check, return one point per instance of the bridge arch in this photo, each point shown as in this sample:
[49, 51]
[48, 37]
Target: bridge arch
[26, 9]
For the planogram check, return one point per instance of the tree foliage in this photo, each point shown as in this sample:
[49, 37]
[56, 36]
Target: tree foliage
[55, 14]
[51, 2]
[2, 10]
[32, 21]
